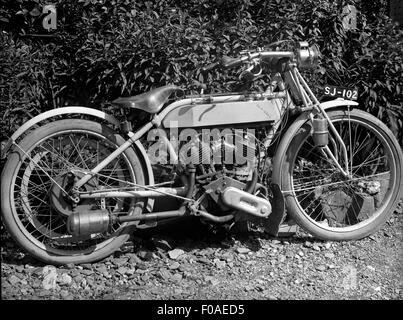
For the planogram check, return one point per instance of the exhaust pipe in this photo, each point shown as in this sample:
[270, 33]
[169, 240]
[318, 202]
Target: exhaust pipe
[89, 222]
[99, 221]
[246, 202]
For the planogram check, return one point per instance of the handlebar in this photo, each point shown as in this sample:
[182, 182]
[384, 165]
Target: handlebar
[306, 57]
[228, 62]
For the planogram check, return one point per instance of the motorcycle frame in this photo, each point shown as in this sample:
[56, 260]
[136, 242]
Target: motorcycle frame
[156, 122]
[311, 107]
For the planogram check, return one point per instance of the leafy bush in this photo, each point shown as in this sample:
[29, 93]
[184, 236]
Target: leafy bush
[106, 48]
[24, 85]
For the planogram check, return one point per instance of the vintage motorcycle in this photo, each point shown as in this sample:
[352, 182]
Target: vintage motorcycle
[77, 181]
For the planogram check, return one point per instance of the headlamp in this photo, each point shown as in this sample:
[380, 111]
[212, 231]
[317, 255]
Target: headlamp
[307, 56]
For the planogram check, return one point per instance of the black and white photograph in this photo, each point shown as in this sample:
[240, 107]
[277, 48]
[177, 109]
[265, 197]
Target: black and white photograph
[206, 158]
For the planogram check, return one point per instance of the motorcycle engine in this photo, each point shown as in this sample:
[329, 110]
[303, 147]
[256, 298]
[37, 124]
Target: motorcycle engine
[229, 161]
[237, 159]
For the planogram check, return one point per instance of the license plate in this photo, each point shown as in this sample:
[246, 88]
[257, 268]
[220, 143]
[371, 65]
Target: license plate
[341, 92]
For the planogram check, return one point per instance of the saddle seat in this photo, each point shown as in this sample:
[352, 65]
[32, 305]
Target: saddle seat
[151, 101]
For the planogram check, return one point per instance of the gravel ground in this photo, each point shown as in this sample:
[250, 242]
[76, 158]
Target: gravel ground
[201, 263]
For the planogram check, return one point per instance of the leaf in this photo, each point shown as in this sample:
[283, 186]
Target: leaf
[22, 12]
[21, 74]
[35, 12]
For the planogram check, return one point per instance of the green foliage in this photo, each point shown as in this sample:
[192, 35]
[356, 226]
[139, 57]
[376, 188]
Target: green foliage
[24, 85]
[106, 48]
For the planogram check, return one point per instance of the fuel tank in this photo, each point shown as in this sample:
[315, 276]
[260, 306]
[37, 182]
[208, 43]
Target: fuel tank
[225, 113]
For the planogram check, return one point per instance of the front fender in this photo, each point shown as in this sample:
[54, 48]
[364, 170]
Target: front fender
[85, 111]
[338, 103]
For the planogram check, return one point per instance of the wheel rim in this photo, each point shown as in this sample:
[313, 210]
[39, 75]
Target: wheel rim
[332, 202]
[58, 154]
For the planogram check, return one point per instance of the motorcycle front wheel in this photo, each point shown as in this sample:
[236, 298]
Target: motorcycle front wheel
[327, 204]
[35, 210]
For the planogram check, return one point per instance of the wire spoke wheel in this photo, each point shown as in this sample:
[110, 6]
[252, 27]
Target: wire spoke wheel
[324, 201]
[37, 206]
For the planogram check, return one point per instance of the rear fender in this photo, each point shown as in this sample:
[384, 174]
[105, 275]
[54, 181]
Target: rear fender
[84, 111]
[54, 113]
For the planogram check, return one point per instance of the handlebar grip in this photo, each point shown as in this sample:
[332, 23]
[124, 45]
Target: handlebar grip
[211, 66]
[228, 62]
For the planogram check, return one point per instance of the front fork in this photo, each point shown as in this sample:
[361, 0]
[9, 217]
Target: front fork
[344, 171]
[311, 103]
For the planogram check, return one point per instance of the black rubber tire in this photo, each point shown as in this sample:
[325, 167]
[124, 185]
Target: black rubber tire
[287, 153]
[8, 179]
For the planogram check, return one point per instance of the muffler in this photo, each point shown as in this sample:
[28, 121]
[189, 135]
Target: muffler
[246, 202]
[87, 222]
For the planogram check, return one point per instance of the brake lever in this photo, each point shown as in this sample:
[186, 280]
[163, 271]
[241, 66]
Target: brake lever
[248, 74]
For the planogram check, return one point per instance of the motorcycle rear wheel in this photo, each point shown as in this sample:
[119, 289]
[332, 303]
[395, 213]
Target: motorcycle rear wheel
[34, 209]
[322, 201]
